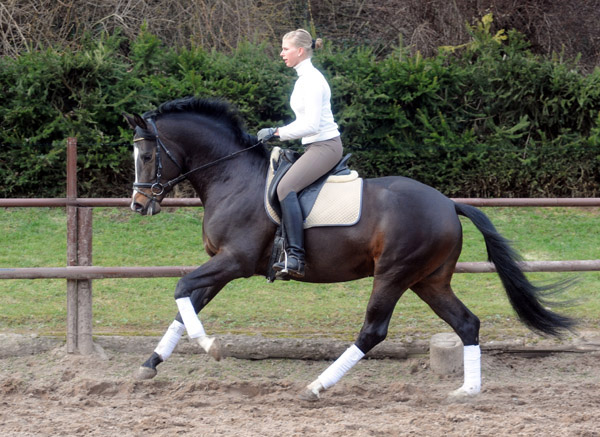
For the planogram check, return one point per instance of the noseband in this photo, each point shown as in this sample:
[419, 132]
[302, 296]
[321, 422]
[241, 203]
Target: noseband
[157, 188]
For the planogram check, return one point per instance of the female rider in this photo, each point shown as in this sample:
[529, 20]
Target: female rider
[314, 124]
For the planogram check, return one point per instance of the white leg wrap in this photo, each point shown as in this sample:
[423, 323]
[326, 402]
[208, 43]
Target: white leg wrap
[170, 339]
[472, 363]
[190, 318]
[345, 362]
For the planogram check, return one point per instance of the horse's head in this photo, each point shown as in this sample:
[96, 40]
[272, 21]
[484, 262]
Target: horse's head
[154, 164]
[201, 134]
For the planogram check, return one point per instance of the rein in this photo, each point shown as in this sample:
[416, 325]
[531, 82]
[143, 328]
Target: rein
[157, 188]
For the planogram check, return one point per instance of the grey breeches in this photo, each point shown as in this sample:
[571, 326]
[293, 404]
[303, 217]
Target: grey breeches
[318, 159]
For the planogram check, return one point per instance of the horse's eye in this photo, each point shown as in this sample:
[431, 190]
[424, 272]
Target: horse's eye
[146, 158]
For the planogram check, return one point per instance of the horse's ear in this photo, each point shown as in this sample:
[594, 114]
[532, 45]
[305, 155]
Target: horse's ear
[135, 120]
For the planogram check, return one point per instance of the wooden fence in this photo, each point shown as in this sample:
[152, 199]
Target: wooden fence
[80, 272]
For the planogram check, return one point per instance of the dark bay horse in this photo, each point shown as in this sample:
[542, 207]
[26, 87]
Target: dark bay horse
[409, 237]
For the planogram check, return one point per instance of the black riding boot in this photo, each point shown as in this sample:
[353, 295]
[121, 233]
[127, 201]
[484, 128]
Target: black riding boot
[293, 264]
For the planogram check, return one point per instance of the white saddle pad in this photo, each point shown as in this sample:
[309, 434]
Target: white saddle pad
[339, 202]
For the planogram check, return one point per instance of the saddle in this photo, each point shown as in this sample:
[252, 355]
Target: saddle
[308, 196]
[334, 199]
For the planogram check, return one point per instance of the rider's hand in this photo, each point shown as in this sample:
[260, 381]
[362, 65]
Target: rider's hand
[266, 134]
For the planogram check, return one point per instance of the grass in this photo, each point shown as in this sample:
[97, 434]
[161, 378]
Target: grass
[37, 237]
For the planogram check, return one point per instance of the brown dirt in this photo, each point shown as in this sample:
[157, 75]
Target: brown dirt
[52, 393]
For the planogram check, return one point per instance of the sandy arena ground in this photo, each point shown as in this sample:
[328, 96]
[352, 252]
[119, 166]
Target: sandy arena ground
[55, 394]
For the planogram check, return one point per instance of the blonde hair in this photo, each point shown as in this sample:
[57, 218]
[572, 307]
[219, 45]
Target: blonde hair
[301, 38]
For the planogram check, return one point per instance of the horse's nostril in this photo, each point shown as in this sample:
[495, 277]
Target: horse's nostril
[137, 207]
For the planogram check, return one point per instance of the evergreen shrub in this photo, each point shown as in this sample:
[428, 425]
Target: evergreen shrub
[486, 119]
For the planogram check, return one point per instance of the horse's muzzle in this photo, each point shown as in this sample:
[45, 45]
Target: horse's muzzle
[145, 205]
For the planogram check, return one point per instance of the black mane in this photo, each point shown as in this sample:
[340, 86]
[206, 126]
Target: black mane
[220, 111]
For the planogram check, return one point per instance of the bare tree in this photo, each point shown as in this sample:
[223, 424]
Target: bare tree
[423, 25]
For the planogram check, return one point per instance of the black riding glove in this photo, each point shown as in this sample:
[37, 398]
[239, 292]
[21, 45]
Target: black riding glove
[266, 134]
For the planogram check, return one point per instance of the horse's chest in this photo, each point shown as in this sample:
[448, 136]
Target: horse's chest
[209, 247]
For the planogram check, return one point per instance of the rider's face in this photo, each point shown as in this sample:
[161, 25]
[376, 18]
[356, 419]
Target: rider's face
[291, 54]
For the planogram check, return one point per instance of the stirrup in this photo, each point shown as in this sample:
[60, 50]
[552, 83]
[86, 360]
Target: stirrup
[278, 268]
[284, 270]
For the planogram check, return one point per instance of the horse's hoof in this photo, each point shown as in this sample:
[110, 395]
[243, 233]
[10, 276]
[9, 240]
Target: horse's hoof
[144, 373]
[309, 396]
[462, 394]
[211, 346]
[215, 350]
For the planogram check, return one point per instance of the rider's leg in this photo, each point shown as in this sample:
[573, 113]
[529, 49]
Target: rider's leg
[317, 160]
[291, 212]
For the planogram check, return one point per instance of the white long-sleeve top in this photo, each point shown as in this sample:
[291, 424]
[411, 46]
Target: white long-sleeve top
[311, 104]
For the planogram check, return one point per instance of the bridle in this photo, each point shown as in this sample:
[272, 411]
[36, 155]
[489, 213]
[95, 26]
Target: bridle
[157, 188]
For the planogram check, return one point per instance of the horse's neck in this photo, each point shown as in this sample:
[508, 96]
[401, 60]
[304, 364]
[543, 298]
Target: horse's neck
[242, 181]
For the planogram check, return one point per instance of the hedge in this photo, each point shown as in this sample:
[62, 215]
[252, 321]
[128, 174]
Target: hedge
[485, 119]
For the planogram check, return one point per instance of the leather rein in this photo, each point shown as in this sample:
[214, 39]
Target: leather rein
[157, 188]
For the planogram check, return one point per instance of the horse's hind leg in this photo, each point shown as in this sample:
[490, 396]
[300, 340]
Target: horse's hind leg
[437, 293]
[374, 330]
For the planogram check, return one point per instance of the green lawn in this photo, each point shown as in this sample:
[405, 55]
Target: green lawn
[35, 237]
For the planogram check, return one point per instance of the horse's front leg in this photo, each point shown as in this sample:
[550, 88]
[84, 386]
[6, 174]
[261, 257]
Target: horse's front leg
[200, 298]
[217, 272]
[193, 292]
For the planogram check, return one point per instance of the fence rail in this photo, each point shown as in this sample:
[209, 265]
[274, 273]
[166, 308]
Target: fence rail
[79, 271]
[97, 272]
[87, 202]
[190, 202]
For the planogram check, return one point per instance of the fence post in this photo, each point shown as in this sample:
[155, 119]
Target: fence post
[84, 286]
[79, 252]
[71, 245]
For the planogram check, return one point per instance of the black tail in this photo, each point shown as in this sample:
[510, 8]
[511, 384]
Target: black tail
[526, 299]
